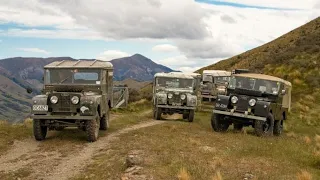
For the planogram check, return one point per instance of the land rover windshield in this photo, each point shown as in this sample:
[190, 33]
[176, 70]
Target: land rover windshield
[221, 79]
[174, 83]
[72, 76]
[262, 85]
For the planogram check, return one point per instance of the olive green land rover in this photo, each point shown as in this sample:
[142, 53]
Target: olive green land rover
[75, 94]
[256, 100]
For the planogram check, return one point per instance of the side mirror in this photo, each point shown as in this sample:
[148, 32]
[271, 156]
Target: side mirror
[29, 90]
[283, 92]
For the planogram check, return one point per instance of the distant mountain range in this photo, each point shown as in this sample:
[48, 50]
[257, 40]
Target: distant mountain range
[21, 73]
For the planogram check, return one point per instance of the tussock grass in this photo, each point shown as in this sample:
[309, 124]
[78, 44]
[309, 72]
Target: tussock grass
[183, 174]
[304, 175]
[217, 176]
[11, 132]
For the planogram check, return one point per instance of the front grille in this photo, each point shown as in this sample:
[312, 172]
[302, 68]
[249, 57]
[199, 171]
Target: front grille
[242, 104]
[65, 103]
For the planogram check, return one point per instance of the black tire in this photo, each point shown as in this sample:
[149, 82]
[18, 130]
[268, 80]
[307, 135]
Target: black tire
[92, 129]
[237, 127]
[218, 124]
[278, 127]
[157, 113]
[191, 116]
[104, 121]
[264, 128]
[185, 115]
[60, 128]
[39, 132]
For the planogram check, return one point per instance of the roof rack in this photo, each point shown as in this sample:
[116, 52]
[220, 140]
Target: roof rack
[240, 71]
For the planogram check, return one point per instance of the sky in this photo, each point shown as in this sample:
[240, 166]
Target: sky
[181, 34]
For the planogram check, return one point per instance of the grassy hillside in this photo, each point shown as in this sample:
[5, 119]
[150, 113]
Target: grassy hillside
[294, 56]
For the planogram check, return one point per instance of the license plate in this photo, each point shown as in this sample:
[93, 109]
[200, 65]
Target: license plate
[40, 107]
[176, 104]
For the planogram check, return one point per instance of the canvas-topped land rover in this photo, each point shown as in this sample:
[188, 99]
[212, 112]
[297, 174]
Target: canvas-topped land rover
[213, 83]
[174, 93]
[75, 94]
[256, 100]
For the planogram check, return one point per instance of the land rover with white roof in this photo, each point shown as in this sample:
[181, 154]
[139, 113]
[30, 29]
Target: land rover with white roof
[174, 93]
[213, 84]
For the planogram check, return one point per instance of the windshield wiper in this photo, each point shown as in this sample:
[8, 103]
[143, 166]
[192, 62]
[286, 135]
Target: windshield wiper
[65, 79]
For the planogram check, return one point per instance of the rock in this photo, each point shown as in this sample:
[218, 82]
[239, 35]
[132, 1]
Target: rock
[133, 170]
[134, 158]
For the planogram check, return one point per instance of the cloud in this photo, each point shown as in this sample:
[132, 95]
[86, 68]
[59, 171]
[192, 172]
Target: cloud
[54, 34]
[112, 54]
[201, 33]
[208, 48]
[285, 4]
[0, 41]
[138, 19]
[165, 48]
[34, 50]
[185, 64]
[227, 19]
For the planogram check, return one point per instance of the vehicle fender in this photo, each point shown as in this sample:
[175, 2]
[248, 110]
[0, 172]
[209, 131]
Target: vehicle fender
[161, 98]
[222, 102]
[40, 99]
[91, 103]
[191, 100]
[262, 108]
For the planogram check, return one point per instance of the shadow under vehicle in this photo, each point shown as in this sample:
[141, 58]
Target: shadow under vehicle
[213, 83]
[256, 100]
[75, 94]
[174, 93]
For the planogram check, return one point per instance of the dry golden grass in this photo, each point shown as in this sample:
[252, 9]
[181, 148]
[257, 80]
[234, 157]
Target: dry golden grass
[292, 134]
[307, 140]
[183, 174]
[217, 163]
[217, 176]
[304, 175]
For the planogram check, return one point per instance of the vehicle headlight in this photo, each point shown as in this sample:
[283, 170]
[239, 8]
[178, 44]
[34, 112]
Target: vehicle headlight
[183, 96]
[54, 99]
[252, 102]
[170, 95]
[234, 99]
[75, 100]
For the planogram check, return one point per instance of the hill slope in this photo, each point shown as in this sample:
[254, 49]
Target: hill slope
[294, 56]
[137, 67]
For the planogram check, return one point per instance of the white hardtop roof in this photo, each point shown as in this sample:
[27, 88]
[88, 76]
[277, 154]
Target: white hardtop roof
[174, 75]
[217, 72]
[191, 74]
[80, 64]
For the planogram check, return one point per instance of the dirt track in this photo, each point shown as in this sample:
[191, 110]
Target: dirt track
[54, 165]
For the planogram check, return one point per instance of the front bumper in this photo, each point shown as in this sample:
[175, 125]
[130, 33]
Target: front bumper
[59, 117]
[208, 96]
[239, 115]
[176, 107]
